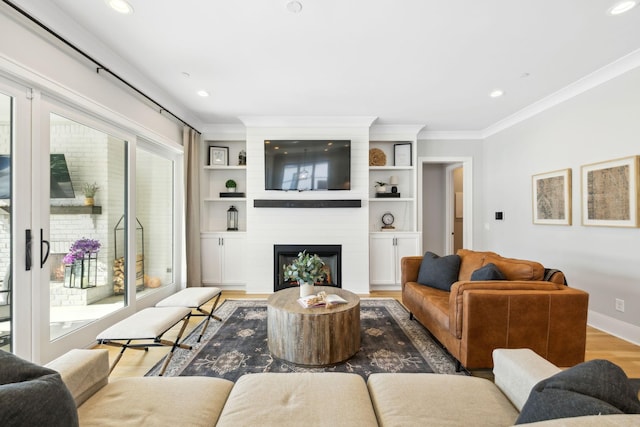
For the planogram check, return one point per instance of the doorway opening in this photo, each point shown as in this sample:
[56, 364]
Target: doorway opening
[445, 208]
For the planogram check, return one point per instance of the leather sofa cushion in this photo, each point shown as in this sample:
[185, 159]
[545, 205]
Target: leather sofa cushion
[511, 268]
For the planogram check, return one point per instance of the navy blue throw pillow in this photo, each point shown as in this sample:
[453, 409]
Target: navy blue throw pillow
[596, 387]
[32, 395]
[439, 272]
[488, 272]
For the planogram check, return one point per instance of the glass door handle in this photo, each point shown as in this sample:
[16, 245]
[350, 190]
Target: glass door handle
[42, 252]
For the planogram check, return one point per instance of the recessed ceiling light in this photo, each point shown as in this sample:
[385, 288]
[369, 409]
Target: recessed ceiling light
[621, 7]
[186, 75]
[294, 6]
[203, 93]
[120, 6]
[496, 93]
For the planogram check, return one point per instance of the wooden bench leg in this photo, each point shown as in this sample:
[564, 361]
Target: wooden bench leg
[209, 315]
[175, 344]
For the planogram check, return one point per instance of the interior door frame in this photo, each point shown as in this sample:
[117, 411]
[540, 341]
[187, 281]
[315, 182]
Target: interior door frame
[449, 199]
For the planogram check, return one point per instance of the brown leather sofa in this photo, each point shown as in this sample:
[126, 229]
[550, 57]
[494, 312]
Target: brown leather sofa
[523, 311]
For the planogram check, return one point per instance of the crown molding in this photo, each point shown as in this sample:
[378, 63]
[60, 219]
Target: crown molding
[395, 131]
[229, 132]
[450, 135]
[307, 121]
[598, 77]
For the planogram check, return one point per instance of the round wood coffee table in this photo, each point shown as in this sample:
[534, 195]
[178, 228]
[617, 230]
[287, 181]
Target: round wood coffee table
[313, 336]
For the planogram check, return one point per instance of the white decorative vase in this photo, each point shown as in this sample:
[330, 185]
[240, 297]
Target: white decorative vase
[307, 289]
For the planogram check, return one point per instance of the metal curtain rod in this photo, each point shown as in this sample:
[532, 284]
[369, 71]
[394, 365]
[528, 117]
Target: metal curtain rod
[99, 66]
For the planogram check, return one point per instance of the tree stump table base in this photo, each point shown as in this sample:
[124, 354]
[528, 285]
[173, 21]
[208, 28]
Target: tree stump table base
[313, 336]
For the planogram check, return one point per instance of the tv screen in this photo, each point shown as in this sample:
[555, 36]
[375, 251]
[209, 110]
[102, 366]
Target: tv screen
[307, 165]
[60, 182]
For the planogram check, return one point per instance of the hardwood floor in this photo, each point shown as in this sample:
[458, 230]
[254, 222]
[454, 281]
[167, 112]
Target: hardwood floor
[600, 345]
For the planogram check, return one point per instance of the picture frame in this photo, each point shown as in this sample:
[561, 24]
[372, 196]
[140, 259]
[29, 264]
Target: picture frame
[610, 193]
[402, 154]
[218, 156]
[551, 197]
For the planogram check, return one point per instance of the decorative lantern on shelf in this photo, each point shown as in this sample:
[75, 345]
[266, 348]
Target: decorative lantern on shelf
[232, 219]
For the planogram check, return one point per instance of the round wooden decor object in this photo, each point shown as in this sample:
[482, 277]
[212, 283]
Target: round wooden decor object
[377, 157]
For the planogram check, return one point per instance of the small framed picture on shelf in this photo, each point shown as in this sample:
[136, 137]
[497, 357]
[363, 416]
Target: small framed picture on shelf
[402, 154]
[218, 156]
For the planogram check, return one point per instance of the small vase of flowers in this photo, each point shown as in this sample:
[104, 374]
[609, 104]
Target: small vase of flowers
[81, 263]
[89, 191]
[306, 269]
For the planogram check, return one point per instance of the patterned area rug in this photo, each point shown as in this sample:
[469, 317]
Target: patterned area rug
[390, 342]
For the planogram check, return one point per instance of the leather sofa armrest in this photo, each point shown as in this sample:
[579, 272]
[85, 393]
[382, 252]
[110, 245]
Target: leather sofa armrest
[458, 289]
[516, 371]
[409, 268]
[84, 372]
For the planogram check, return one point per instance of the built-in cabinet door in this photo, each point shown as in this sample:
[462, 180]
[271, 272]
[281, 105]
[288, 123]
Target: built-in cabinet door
[222, 258]
[386, 249]
[405, 245]
[233, 264]
[210, 254]
[381, 259]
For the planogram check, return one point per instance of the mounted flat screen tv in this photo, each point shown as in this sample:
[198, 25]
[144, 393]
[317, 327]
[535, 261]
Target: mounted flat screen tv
[307, 165]
[60, 182]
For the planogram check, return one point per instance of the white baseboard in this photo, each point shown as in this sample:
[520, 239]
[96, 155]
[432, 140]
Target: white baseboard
[385, 288]
[615, 327]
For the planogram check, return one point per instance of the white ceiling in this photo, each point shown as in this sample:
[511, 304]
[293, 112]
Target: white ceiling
[430, 62]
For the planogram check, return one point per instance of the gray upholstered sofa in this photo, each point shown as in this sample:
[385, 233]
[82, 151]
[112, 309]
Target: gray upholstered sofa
[312, 399]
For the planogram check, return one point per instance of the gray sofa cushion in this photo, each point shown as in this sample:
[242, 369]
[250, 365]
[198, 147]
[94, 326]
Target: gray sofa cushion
[439, 272]
[590, 388]
[487, 272]
[31, 395]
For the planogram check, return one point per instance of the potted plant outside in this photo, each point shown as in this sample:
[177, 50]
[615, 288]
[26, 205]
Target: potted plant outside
[306, 269]
[231, 186]
[89, 191]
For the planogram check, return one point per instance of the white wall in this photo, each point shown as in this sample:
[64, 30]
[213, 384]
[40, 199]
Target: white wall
[433, 199]
[600, 124]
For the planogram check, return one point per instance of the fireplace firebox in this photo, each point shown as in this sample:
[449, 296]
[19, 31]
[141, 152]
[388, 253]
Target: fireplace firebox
[285, 254]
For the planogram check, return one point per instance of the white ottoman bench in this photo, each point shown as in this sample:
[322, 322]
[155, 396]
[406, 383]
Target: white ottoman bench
[195, 298]
[147, 325]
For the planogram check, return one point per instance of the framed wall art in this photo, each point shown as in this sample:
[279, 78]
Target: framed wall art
[610, 193]
[552, 197]
[402, 154]
[218, 156]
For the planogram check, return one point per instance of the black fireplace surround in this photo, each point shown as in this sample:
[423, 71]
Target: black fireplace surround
[284, 255]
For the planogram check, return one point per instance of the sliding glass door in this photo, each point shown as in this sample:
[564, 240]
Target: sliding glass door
[15, 199]
[6, 299]
[87, 223]
[83, 239]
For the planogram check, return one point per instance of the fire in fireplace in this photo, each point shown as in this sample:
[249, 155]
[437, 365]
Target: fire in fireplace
[330, 254]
